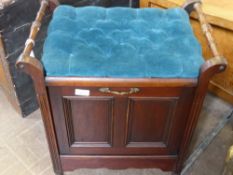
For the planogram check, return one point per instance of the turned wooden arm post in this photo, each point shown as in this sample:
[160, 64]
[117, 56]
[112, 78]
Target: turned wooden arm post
[212, 66]
[27, 63]
[35, 28]
[34, 69]
[217, 60]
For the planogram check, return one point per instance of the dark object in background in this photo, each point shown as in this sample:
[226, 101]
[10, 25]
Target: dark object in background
[106, 3]
[131, 3]
[15, 23]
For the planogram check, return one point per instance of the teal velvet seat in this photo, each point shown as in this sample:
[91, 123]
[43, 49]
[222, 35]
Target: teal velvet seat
[121, 42]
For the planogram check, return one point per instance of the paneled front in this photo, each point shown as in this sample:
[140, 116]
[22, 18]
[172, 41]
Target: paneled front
[149, 120]
[112, 122]
[89, 121]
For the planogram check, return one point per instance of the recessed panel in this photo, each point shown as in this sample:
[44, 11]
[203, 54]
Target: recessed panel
[149, 120]
[89, 120]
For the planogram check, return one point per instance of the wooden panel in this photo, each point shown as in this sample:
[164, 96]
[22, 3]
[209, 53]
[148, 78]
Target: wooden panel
[84, 124]
[3, 78]
[89, 121]
[221, 84]
[120, 82]
[6, 80]
[149, 121]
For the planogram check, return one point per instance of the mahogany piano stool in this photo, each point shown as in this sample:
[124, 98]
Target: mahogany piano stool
[117, 88]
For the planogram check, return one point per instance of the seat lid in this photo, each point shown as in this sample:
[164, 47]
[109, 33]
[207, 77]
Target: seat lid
[121, 42]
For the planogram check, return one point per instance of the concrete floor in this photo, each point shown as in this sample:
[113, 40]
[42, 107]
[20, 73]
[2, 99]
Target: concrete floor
[23, 147]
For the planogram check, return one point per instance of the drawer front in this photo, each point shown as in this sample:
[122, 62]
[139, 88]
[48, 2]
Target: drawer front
[119, 120]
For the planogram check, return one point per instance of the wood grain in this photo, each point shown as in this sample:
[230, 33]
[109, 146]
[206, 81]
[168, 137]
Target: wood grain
[119, 82]
[161, 108]
[79, 116]
[218, 12]
[6, 82]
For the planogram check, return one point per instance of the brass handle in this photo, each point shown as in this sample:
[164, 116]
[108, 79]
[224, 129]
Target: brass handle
[131, 91]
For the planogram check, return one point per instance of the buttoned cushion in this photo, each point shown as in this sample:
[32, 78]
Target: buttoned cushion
[121, 42]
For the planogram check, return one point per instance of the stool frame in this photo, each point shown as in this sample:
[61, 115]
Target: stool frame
[42, 84]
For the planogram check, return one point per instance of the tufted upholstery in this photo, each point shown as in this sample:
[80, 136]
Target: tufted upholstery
[121, 42]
